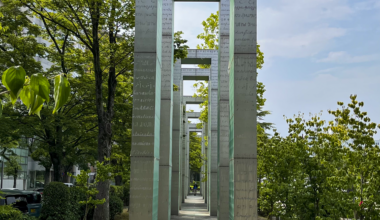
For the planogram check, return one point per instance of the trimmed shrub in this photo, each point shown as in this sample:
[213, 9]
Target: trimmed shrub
[77, 195]
[116, 206]
[7, 212]
[122, 192]
[56, 202]
[117, 191]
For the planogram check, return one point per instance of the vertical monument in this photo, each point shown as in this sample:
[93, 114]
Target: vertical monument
[176, 180]
[165, 177]
[223, 111]
[243, 131]
[145, 152]
[213, 132]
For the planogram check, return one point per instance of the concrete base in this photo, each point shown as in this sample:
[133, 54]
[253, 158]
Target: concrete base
[164, 205]
[175, 201]
[224, 193]
[244, 189]
[214, 195]
[144, 188]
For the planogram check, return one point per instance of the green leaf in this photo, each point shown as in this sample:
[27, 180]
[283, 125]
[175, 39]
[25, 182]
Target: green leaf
[36, 103]
[40, 85]
[14, 79]
[25, 96]
[61, 91]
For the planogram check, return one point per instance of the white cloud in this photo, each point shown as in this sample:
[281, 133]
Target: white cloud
[300, 28]
[344, 58]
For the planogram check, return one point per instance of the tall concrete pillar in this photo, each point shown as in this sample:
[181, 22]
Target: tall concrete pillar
[213, 133]
[145, 153]
[165, 183]
[176, 180]
[202, 185]
[223, 111]
[206, 185]
[181, 163]
[243, 122]
[183, 153]
[187, 173]
[187, 157]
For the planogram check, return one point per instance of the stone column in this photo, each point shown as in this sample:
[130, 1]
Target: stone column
[165, 186]
[176, 180]
[181, 198]
[213, 133]
[206, 185]
[223, 111]
[187, 157]
[243, 122]
[145, 152]
[183, 153]
[203, 166]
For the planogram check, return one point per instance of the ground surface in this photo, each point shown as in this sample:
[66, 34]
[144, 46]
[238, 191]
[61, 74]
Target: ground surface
[193, 208]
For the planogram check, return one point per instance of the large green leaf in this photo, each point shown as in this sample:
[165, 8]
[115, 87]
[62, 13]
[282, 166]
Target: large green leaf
[36, 103]
[61, 91]
[40, 85]
[14, 79]
[25, 96]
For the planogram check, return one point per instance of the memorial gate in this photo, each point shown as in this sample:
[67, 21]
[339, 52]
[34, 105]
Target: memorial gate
[159, 180]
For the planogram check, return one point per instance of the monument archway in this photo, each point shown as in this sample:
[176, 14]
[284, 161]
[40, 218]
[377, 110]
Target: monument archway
[157, 187]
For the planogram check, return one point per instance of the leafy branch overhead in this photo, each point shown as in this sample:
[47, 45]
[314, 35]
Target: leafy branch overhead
[35, 90]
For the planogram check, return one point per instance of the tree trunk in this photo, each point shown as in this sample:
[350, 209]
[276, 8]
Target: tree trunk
[47, 176]
[14, 181]
[56, 167]
[104, 117]
[66, 177]
[118, 178]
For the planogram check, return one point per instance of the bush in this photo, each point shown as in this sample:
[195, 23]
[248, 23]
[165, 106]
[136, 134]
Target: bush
[7, 212]
[56, 202]
[77, 195]
[117, 191]
[116, 206]
[122, 192]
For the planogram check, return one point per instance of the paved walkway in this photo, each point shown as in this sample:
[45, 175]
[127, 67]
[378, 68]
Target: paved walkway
[193, 208]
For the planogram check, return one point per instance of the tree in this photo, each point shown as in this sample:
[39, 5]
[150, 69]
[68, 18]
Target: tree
[358, 173]
[12, 167]
[196, 158]
[210, 36]
[89, 22]
[62, 139]
[19, 44]
[180, 49]
[321, 170]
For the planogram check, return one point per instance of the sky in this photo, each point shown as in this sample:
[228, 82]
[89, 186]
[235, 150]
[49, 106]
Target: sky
[317, 52]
